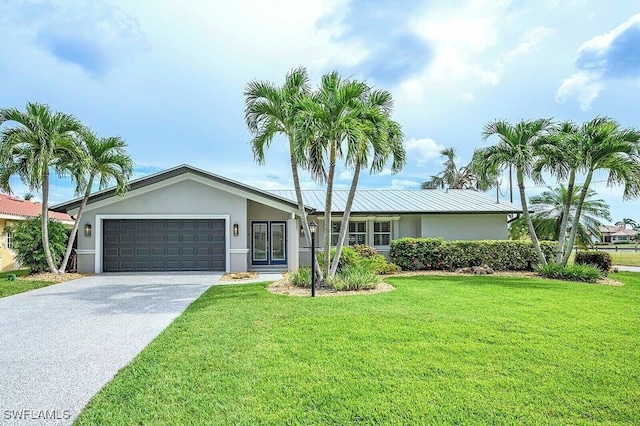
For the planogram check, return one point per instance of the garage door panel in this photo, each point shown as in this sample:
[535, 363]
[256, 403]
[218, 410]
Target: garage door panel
[163, 245]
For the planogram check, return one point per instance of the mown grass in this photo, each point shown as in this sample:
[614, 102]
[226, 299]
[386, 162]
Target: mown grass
[437, 350]
[626, 258]
[9, 288]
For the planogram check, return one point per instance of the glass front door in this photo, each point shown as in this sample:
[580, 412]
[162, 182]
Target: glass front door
[268, 243]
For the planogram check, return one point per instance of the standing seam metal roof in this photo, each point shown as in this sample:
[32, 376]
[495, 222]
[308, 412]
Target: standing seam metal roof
[405, 201]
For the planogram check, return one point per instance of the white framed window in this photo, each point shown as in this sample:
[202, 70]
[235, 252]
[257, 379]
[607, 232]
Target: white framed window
[382, 233]
[357, 233]
[9, 240]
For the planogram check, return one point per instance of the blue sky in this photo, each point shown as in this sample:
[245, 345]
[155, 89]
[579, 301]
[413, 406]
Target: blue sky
[169, 76]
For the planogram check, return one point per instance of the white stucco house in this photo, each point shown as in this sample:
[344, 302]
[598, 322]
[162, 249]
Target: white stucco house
[187, 219]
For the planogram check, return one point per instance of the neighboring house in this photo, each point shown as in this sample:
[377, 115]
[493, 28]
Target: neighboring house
[617, 234]
[12, 210]
[186, 219]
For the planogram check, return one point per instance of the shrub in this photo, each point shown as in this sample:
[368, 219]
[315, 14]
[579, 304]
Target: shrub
[575, 272]
[365, 251]
[348, 257]
[600, 259]
[358, 277]
[379, 265]
[434, 253]
[412, 254]
[301, 277]
[27, 243]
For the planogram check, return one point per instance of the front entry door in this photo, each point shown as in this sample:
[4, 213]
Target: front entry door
[269, 243]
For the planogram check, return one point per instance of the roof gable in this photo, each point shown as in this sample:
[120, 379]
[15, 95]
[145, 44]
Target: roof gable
[108, 195]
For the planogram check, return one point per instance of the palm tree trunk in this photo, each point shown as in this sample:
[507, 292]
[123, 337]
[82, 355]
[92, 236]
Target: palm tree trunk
[576, 219]
[327, 208]
[45, 223]
[565, 217]
[301, 210]
[344, 224]
[74, 230]
[527, 217]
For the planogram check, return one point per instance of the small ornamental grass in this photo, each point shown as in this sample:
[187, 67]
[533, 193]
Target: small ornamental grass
[301, 277]
[574, 272]
[359, 277]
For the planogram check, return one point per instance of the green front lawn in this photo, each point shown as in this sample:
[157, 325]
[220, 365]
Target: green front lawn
[20, 285]
[437, 350]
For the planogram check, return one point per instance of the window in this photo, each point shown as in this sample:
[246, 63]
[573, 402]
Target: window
[381, 233]
[357, 233]
[9, 242]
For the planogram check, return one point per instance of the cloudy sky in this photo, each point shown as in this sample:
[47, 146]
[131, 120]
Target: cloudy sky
[169, 76]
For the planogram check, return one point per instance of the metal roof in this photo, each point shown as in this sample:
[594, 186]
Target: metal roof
[391, 201]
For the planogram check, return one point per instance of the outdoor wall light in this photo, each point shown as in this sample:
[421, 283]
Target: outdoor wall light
[236, 230]
[87, 230]
[301, 231]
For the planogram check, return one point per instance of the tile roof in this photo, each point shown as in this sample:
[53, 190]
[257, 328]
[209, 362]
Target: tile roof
[617, 231]
[406, 201]
[15, 206]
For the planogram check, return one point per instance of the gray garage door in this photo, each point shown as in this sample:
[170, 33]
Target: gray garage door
[163, 245]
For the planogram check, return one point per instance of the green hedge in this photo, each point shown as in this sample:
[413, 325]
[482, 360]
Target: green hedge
[434, 253]
[600, 259]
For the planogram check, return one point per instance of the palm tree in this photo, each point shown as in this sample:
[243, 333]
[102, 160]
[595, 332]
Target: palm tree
[106, 160]
[559, 154]
[271, 110]
[333, 115]
[627, 221]
[549, 208]
[40, 142]
[454, 177]
[382, 141]
[516, 147]
[605, 145]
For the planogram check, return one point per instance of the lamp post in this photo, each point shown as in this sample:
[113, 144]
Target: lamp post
[313, 226]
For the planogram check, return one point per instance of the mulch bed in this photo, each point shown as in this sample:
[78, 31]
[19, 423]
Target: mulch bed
[56, 278]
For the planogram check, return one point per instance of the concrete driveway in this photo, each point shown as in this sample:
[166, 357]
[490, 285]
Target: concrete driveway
[60, 344]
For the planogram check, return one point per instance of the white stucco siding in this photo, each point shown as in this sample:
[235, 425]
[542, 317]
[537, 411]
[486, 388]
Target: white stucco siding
[464, 226]
[182, 199]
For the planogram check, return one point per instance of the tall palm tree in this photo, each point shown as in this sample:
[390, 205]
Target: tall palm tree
[560, 155]
[271, 110]
[382, 141]
[40, 142]
[516, 147]
[106, 160]
[605, 145]
[549, 208]
[333, 115]
[454, 177]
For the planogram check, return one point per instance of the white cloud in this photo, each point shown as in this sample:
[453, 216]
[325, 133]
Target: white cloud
[610, 56]
[422, 150]
[460, 36]
[345, 175]
[529, 42]
[404, 184]
[586, 86]
[467, 97]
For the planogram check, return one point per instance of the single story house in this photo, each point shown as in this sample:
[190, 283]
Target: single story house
[613, 234]
[187, 219]
[14, 209]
